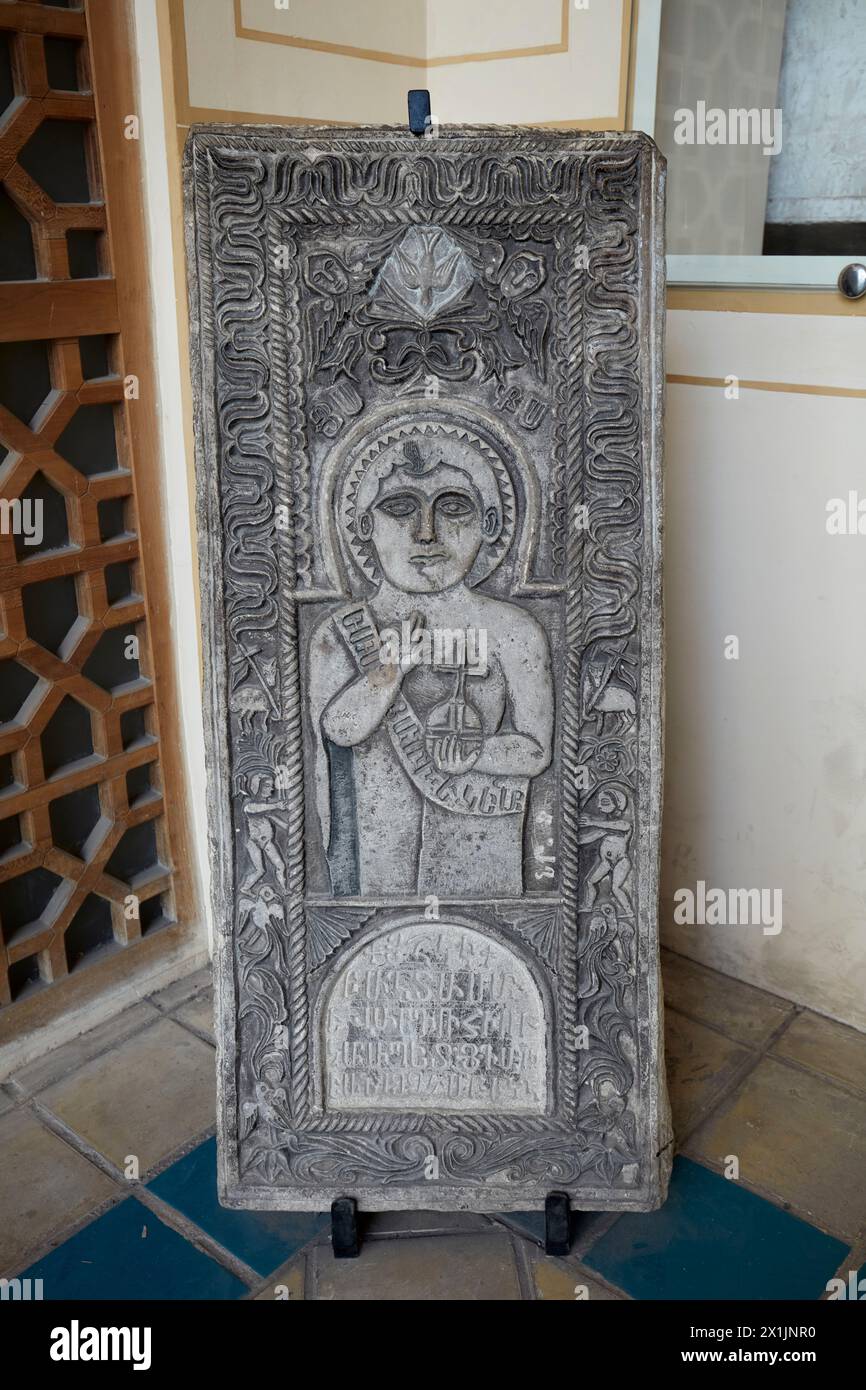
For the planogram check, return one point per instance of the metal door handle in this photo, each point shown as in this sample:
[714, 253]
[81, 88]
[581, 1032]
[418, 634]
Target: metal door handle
[852, 281]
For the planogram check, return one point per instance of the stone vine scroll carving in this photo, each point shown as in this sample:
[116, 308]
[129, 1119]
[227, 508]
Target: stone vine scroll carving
[428, 386]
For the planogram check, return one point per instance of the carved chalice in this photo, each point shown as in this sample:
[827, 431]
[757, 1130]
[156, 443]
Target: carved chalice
[453, 734]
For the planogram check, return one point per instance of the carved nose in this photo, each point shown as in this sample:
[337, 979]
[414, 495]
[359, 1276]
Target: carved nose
[425, 530]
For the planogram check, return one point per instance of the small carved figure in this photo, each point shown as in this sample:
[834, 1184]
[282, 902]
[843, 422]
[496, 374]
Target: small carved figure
[603, 694]
[263, 814]
[429, 265]
[249, 702]
[522, 275]
[600, 935]
[613, 832]
[264, 908]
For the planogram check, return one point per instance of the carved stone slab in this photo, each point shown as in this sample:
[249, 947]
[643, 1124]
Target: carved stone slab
[428, 380]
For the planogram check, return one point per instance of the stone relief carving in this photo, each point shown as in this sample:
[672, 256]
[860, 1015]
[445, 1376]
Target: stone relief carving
[428, 401]
[438, 789]
[467, 1033]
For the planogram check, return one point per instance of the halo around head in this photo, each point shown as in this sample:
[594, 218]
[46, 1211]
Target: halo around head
[455, 446]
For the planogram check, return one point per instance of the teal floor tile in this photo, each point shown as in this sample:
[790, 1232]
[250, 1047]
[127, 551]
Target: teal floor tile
[130, 1254]
[532, 1224]
[529, 1223]
[262, 1239]
[715, 1240]
[849, 1285]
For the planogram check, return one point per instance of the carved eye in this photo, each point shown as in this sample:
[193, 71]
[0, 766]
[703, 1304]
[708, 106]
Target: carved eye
[399, 506]
[455, 504]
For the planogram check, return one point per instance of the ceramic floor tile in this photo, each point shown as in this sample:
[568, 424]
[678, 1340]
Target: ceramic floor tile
[713, 1239]
[63, 1060]
[129, 1254]
[558, 1282]
[825, 1046]
[148, 1096]
[198, 1013]
[528, 1223]
[432, 1268]
[186, 988]
[744, 1013]
[286, 1286]
[532, 1225]
[384, 1223]
[700, 1065]
[799, 1137]
[262, 1239]
[44, 1185]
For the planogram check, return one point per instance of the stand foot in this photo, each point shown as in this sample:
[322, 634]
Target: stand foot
[345, 1242]
[419, 110]
[557, 1223]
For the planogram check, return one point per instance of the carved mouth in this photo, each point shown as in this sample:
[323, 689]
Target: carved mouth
[428, 558]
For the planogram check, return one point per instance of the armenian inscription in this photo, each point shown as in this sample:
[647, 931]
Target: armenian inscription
[428, 384]
[435, 1016]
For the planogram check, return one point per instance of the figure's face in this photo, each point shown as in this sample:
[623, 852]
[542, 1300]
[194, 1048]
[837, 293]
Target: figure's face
[427, 530]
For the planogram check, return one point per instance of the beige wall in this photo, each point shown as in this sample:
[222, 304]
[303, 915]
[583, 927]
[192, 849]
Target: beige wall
[764, 755]
[326, 60]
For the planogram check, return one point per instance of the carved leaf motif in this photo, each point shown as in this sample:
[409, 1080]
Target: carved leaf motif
[325, 317]
[344, 354]
[271, 1162]
[328, 927]
[541, 929]
[530, 319]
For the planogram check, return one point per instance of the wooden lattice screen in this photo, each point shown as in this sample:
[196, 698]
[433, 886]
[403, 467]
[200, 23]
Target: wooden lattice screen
[85, 850]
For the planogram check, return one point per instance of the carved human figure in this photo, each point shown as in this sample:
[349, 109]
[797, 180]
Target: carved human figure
[263, 812]
[423, 767]
[612, 830]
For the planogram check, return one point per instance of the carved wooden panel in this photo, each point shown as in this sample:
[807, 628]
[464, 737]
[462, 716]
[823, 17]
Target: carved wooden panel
[84, 852]
[429, 385]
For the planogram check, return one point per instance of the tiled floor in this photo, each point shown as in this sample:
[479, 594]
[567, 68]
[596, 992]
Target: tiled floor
[108, 1184]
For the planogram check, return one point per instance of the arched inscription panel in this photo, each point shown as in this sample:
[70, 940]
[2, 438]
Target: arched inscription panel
[435, 1016]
